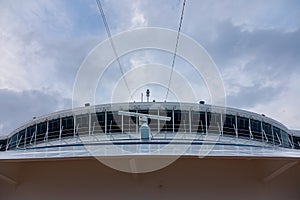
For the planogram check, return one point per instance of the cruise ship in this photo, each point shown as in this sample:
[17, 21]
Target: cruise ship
[150, 150]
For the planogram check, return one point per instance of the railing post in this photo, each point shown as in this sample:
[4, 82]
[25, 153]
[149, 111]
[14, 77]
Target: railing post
[273, 140]
[250, 130]
[36, 131]
[47, 131]
[262, 134]
[8, 143]
[220, 132]
[158, 122]
[122, 122]
[173, 121]
[90, 121]
[206, 122]
[190, 120]
[293, 146]
[136, 123]
[60, 127]
[25, 138]
[93, 128]
[222, 123]
[281, 142]
[236, 127]
[105, 122]
[75, 125]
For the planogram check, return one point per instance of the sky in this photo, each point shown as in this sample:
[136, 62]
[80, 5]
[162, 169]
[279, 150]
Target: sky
[255, 45]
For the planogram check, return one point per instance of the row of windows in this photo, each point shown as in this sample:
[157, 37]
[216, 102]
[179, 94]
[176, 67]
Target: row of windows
[181, 121]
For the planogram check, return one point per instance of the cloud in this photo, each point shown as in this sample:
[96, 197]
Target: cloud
[285, 104]
[24, 61]
[255, 44]
[137, 17]
[39, 49]
[40, 55]
[19, 107]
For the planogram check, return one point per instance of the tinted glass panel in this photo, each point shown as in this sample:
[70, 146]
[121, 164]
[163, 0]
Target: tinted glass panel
[21, 139]
[268, 132]
[41, 131]
[168, 125]
[243, 127]
[112, 125]
[296, 142]
[101, 122]
[30, 135]
[54, 128]
[228, 128]
[256, 129]
[13, 141]
[67, 126]
[198, 123]
[3, 145]
[277, 135]
[285, 139]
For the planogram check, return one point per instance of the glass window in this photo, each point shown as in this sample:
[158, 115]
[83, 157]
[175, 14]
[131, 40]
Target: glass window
[277, 135]
[228, 127]
[96, 125]
[112, 125]
[285, 139]
[101, 122]
[296, 141]
[21, 139]
[54, 128]
[243, 127]
[129, 125]
[41, 131]
[67, 126]
[13, 141]
[153, 123]
[256, 129]
[268, 131]
[30, 135]
[181, 121]
[167, 126]
[82, 124]
[214, 122]
[198, 122]
[3, 145]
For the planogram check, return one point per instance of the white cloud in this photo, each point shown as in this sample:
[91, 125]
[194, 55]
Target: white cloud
[236, 77]
[285, 107]
[25, 63]
[137, 18]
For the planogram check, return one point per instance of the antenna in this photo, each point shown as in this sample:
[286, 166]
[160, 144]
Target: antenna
[144, 129]
[148, 94]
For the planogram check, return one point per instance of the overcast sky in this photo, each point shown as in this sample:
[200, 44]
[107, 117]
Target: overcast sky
[255, 44]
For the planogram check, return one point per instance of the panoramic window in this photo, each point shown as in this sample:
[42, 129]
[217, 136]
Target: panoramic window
[67, 126]
[228, 128]
[41, 131]
[54, 128]
[256, 129]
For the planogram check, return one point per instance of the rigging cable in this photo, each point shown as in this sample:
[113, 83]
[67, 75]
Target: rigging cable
[112, 44]
[176, 46]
